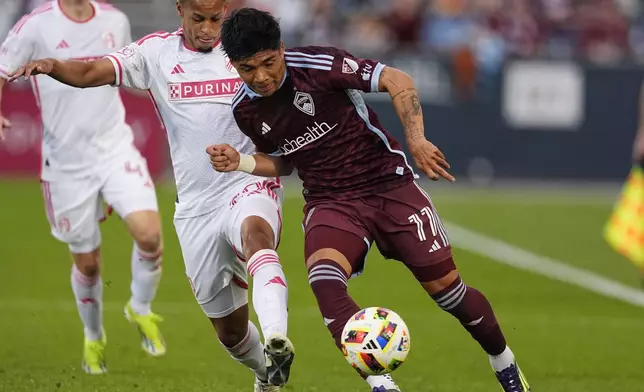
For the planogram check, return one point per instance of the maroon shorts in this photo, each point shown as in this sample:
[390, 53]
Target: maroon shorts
[402, 222]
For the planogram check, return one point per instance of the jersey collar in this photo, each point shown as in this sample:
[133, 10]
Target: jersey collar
[58, 9]
[252, 94]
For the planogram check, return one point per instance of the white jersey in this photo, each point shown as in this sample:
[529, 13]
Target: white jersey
[192, 92]
[82, 127]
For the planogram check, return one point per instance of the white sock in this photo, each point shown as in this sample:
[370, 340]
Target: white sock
[503, 360]
[385, 381]
[146, 274]
[270, 293]
[250, 352]
[89, 301]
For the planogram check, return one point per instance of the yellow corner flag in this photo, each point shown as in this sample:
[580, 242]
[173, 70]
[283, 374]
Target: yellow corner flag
[625, 229]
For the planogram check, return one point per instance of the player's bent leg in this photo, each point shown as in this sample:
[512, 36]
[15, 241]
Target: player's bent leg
[270, 291]
[228, 313]
[473, 310]
[88, 291]
[145, 228]
[332, 255]
[129, 189]
[72, 211]
[410, 230]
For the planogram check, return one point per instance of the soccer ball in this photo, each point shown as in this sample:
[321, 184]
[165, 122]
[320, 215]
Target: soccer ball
[375, 341]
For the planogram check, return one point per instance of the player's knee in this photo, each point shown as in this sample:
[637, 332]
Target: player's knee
[145, 227]
[329, 256]
[231, 337]
[434, 277]
[440, 284]
[232, 329]
[256, 234]
[88, 264]
[149, 240]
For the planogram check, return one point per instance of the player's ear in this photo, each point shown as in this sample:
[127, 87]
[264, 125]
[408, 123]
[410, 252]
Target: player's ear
[179, 8]
[282, 50]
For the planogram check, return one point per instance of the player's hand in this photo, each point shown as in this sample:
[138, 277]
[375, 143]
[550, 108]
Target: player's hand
[430, 160]
[223, 157]
[36, 67]
[4, 124]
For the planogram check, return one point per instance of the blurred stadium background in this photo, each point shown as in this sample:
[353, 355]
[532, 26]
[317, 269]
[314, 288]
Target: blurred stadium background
[535, 104]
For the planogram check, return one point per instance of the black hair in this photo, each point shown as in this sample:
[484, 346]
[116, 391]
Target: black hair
[248, 31]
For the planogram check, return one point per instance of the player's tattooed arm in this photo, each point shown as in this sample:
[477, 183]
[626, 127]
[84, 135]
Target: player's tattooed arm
[80, 74]
[404, 96]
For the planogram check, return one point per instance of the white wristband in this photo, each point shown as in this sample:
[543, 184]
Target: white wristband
[246, 163]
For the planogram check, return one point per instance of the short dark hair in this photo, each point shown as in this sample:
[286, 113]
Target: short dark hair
[248, 31]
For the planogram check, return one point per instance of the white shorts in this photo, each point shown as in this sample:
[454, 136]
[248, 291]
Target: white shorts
[74, 205]
[211, 245]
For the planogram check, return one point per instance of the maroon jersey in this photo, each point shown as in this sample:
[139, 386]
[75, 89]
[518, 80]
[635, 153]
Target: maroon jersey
[319, 122]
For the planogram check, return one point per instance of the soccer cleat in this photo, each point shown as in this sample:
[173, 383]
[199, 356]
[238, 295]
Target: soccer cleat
[386, 382]
[94, 356]
[261, 386]
[512, 379]
[151, 339]
[279, 357]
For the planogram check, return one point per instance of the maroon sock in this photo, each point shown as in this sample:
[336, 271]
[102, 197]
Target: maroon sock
[474, 311]
[329, 283]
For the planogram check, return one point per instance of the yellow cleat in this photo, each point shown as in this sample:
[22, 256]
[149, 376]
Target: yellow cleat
[94, 356]
[151, 339]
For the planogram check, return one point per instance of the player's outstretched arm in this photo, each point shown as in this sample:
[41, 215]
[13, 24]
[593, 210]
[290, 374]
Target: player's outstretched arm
[74, 73]
[225, 158]
[404, 95]
[4, 123]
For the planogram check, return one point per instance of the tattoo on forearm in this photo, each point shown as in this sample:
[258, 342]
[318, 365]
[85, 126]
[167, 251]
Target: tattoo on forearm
[407, 90]
[412, 114]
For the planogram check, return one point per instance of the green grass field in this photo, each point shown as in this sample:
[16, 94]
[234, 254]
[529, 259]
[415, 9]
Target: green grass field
[566, 338]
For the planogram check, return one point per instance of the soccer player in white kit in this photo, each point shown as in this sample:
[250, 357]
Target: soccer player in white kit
[227, 224]
[88, 156]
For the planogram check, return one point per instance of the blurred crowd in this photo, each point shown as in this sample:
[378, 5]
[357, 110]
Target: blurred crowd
[601, 31]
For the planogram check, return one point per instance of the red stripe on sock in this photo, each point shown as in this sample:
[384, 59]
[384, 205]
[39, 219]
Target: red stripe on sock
[83, 279]
[262, 261]
[236, 350]
[145, 256]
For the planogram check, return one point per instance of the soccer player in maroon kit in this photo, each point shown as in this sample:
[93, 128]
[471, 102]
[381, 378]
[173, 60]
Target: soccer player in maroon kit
[302, 109]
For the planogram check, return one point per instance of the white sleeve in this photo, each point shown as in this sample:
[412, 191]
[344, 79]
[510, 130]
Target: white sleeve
[131, 67]
[18, 48]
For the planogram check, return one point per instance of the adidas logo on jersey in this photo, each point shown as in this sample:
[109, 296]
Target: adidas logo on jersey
[63, 45]
[435, 247]
[265, 128]
[177, 70]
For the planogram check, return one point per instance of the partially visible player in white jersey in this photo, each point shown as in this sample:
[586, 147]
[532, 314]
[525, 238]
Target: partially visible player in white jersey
[88, 156]
[227, 225]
